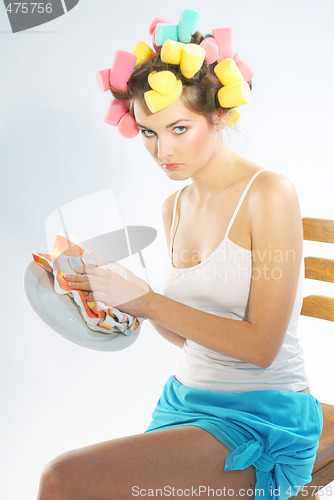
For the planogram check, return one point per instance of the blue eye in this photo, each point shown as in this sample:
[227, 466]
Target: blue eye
[180, 129]
[147, 133]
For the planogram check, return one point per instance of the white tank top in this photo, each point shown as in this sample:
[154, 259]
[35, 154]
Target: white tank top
[220, 285]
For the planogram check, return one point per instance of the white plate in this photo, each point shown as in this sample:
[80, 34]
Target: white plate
[61, 313]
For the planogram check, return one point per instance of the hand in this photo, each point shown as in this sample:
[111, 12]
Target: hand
[128, 293]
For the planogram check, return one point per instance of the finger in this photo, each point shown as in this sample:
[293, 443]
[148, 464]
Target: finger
[87, 282]
[75, 277]
[80, 286]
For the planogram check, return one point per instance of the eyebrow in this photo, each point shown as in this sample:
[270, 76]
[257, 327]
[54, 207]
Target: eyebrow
[167, 126]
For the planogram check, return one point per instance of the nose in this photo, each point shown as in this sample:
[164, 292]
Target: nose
[164, 148]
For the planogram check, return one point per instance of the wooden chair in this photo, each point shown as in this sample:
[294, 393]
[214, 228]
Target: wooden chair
[320, 307]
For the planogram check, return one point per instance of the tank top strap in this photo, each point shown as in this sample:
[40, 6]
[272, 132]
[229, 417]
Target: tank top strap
[241, 200]
[173, 216]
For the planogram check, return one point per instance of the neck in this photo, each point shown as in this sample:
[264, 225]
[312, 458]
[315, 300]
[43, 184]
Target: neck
[220, 171]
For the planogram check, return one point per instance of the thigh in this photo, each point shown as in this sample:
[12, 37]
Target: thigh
[150, 464]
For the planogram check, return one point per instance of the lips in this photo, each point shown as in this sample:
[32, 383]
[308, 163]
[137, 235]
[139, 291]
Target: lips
[172, 166]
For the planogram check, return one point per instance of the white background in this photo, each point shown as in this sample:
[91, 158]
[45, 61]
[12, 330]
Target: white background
[55, 148]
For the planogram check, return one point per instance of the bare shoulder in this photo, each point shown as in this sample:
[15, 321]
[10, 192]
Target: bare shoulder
[272, 184]
[274, 209]
[273, 193]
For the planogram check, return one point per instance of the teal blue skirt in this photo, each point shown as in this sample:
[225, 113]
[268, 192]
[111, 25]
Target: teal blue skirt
[277, 432]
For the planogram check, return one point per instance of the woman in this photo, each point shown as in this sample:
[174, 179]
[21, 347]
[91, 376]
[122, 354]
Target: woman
[237, 419]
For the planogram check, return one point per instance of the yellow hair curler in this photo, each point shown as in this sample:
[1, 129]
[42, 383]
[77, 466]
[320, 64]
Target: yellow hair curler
[192, 59]
[156, 101]
[228, 72]
[143, 52]
[163, 82]
[171, 52]
[232, 117]
[234, 95]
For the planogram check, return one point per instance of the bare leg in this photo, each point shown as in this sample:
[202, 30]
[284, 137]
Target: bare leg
[183, 458]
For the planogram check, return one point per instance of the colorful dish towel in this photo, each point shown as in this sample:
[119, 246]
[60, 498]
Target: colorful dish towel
[65, 256]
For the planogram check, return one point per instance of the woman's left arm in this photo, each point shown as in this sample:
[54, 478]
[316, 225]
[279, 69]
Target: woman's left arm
[277, 241]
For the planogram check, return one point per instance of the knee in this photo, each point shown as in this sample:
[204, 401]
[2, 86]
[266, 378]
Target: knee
[52, 482]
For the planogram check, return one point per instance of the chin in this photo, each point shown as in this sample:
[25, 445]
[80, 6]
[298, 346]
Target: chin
[177, 176]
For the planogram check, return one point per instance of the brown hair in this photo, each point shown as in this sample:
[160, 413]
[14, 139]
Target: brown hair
[200, 91]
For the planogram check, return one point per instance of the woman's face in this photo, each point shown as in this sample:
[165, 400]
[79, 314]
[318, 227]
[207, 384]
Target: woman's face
[181, 141]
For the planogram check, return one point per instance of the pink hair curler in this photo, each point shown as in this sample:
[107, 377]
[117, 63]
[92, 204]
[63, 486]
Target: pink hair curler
[224, 38]
[156, 21]
[103, 79]
[211, 48]
[127, 126]
[245, 70]
[236, 57]
[121, 70]
[116, 111]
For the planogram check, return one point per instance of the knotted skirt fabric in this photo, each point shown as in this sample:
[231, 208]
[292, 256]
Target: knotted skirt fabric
[275, 431]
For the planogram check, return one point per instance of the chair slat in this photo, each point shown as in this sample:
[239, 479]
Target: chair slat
[318, 306]
[318, 230]
[317, 268]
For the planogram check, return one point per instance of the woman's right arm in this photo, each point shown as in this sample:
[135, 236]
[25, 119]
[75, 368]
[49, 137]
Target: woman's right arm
[166, 213]
[172, 337]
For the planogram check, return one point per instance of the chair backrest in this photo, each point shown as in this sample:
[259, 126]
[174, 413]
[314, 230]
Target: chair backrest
[316, 268]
